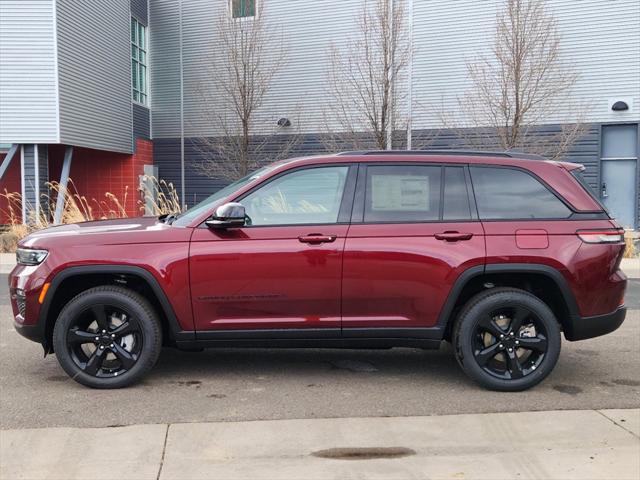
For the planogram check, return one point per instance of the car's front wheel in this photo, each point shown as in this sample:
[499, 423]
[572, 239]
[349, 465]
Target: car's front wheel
[107, 337]
[506, 339]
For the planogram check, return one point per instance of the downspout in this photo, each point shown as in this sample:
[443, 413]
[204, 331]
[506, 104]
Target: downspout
[182, 178]
[390, 78]
[410, 79]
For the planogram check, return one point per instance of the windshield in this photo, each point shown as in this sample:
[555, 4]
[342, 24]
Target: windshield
[187, 217]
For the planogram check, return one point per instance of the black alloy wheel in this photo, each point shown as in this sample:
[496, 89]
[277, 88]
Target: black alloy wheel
[510, 343]
[104, 341]
[506, 339]
[107, 337]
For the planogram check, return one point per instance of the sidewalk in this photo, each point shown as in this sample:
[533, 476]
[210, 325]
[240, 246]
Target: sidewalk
[630, 266]
[560, 444]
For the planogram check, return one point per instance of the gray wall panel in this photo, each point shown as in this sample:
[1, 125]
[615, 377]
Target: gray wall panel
[167, 156]
[28, 95]
[139, 10]
[141, 125]
[164, 58]
[94, 58]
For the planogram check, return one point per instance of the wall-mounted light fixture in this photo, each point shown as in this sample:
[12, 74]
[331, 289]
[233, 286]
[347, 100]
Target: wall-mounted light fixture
[620, 106]
[284, 122]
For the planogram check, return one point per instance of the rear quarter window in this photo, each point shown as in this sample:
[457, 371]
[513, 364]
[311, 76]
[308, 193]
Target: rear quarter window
[507, 193]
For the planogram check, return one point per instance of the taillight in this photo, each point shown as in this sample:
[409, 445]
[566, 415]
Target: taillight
[613, 235]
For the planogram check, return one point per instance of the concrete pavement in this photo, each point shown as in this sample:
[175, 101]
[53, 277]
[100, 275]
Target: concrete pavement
[574, 444]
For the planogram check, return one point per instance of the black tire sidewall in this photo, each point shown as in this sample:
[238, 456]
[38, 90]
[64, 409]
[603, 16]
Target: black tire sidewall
[135, 306]
[490, 301]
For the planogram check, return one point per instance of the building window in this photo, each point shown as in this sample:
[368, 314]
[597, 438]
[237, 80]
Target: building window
[139, 62]
[243, 8]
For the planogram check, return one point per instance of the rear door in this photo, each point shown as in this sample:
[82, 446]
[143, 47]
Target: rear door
[414, 231]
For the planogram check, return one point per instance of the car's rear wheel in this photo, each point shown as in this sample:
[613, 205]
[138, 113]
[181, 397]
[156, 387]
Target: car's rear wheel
[107, 337]
[506, 339]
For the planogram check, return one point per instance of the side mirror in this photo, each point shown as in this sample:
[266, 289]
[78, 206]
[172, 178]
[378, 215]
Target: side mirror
[228, 215]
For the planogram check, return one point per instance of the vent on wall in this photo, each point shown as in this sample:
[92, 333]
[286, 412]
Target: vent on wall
[620, 104]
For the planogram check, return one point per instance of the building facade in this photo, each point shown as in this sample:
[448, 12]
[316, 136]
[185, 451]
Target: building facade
[117, 86]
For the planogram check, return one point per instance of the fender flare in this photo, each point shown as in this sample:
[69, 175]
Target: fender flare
[146, 275]
[465, 277]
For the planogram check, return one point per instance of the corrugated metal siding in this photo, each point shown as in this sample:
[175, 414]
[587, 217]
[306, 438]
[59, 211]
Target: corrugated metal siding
[166, 156]
[298, 89]
[599, 38]
[28, 97]
[141, 125]
[94, 58]
[29, 180]
[139, 10]
[164, 69]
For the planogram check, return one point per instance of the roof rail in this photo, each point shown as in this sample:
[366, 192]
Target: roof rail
[474, 153]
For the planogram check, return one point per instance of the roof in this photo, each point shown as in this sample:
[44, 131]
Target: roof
[464, 153]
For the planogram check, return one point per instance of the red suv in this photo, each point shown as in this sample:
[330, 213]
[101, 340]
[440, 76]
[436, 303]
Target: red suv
[496, 253]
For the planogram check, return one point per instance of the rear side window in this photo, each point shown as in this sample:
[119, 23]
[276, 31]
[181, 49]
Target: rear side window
[402, 193]
[578, 175]
[504, 193]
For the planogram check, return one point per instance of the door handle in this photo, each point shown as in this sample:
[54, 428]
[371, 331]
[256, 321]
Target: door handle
[453, 236]
[315, 238]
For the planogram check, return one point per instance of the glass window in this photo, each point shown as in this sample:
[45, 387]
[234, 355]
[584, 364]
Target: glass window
[503, 193]
[402, 193]
[138, 61]
[620, 141]
[243, 8]
[309, 196]
[456, 197]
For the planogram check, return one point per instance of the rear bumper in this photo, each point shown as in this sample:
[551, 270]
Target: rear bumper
[588, 327]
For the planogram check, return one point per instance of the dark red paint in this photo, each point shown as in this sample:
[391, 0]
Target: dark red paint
[332, 276]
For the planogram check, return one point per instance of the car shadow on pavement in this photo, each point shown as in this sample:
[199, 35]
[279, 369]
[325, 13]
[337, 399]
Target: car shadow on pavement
[307, 363]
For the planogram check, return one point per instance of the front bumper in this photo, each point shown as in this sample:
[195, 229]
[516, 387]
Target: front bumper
[588, 327]
[34, 333]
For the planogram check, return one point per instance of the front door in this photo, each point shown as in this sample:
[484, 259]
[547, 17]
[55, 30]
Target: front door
[283, 269]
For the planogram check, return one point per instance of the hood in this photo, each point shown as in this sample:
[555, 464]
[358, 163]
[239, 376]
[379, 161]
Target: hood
[118, 230]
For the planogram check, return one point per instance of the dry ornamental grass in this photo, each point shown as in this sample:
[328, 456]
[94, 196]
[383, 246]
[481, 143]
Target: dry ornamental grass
[159, 196]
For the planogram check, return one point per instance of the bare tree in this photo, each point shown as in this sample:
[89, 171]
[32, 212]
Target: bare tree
[521, 85]
[365, 81]
[247, 56]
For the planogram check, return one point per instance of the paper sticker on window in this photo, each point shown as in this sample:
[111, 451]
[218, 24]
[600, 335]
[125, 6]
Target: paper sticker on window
[400, 192]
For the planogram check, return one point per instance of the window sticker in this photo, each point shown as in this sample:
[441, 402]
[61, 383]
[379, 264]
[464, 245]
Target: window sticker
[399, 192]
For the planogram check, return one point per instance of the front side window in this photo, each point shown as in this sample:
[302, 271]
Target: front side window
[139, 61]
[243, 8]
[504, 193]
[309, 196]
[402, 193]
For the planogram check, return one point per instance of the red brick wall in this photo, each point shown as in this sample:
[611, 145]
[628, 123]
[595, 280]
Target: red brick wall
[96, 172]
[11, 183]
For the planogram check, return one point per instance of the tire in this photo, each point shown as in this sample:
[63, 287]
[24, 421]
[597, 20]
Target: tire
[506, 339]
[107, 337]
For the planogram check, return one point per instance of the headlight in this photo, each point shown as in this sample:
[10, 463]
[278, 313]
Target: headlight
[28, 256]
